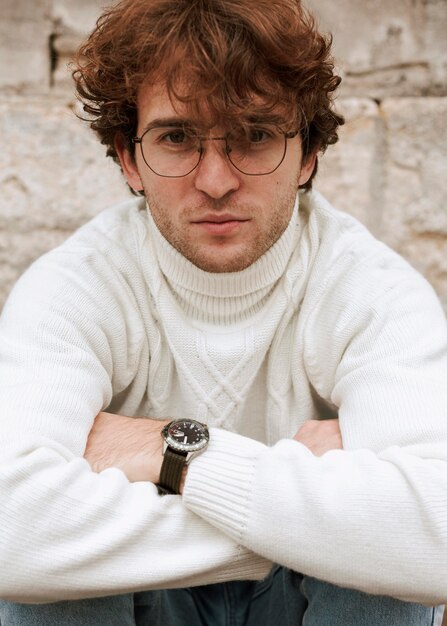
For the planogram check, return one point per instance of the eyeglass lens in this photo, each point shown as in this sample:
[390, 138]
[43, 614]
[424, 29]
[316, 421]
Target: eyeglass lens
[175, 152]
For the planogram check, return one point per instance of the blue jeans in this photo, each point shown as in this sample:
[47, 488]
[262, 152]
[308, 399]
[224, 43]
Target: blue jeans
[284, 598]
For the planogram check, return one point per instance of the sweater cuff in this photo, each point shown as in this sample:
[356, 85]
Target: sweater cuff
[219, 482]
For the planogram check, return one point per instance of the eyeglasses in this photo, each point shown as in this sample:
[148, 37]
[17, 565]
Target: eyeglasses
[175, 152]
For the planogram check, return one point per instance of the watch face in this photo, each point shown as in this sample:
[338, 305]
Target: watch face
[187, 435]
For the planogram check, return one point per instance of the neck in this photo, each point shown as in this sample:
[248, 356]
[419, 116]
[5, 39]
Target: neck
[223, 298]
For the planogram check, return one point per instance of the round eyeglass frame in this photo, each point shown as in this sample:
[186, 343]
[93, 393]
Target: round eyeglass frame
[201, 151]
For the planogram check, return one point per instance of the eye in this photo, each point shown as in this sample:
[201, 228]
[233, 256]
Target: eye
[175, 137]
[259, 135]
[176, 140]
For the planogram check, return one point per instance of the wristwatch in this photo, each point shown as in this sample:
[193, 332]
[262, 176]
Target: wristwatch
[183, 440]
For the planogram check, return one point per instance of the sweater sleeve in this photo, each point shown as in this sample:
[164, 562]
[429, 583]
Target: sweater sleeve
[373, 516]
[67, 532]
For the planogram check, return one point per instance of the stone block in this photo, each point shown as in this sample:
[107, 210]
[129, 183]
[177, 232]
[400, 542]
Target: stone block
[73, 22]
[414, 216]
[435, 43]
[387, 49]
[80, 16]
[25, 29]
[54, 176]
[350, 169]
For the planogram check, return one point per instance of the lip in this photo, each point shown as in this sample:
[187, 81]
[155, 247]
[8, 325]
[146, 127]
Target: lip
[220, 225]
[212, 218]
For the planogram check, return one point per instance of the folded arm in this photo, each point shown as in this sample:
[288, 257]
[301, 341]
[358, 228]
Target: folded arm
[67, 531]
[371, 516]
[135, 445]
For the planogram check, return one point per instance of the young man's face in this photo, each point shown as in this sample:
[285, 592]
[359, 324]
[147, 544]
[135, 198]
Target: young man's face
[217, 217]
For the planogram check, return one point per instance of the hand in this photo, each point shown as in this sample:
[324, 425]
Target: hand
[320, 436]
[134, 445]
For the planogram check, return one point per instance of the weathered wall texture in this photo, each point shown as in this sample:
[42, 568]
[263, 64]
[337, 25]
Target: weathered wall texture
[389, 169]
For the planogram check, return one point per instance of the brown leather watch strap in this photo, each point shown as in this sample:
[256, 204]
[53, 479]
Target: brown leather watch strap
[171, 471]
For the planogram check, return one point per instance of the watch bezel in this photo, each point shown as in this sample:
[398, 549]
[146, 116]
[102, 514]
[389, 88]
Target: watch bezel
[186, 447]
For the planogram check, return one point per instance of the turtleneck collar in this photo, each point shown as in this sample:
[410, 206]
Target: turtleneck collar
[223, 298]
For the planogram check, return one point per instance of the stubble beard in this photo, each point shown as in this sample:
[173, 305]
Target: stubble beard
[214, 260]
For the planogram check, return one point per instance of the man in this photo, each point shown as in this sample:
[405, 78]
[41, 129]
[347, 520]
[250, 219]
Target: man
[228, 294]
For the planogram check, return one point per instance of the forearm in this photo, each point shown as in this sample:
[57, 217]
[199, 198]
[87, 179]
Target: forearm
[68, 532]
[371, 522]
[131, 444]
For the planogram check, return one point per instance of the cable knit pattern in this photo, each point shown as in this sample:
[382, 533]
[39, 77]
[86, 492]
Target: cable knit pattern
[328, 321]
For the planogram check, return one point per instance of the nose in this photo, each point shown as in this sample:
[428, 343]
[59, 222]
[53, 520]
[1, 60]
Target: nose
[215, 175]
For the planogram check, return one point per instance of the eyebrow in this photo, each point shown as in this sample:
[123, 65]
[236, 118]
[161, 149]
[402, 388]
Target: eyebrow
[168, 122]
[267, 118]
[179, 122]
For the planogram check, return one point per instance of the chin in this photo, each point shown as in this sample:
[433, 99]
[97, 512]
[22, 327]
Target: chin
[219, 265]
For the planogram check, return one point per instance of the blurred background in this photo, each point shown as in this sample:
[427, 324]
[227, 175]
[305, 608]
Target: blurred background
[389, 168]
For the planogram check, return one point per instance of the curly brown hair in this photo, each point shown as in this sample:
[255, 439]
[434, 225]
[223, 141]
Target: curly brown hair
[216, 56]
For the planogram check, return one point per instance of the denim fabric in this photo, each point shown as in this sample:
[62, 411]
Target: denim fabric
[284, 598]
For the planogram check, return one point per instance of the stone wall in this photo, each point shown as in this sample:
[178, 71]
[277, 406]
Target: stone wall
[389, 169]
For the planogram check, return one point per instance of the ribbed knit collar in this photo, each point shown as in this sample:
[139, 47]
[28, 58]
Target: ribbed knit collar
[224, 298]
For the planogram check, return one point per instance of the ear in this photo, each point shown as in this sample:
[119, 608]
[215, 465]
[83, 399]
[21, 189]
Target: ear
[307, 168]
[128, 164]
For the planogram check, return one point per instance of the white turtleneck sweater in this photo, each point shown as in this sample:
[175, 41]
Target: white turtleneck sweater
[327, 320]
